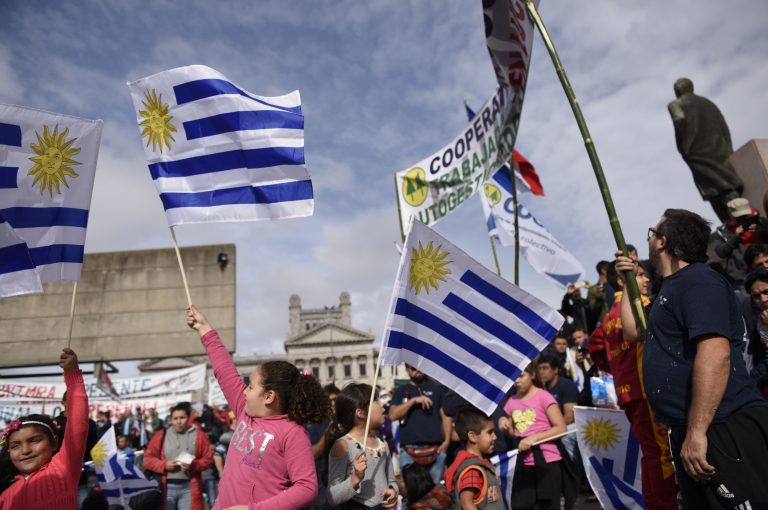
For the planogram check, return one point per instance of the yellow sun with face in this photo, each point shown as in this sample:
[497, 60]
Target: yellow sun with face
[53, 160]
[157, 123]
[99, 454]
[427, 267]
[600, 433]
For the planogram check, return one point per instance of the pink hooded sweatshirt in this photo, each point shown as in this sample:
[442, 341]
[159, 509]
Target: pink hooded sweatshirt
[269, 461]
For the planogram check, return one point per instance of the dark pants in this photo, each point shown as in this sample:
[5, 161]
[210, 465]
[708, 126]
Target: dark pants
[738, 449]
[720, 204]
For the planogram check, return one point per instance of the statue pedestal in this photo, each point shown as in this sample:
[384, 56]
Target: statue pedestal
[751, 164]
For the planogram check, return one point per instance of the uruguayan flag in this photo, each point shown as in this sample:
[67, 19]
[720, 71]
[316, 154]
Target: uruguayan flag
[611, 456]
[118, 477]
[461, 323]
[540, 248]
[17, 271]
[505, 469]
[219, 153]
[47, 167]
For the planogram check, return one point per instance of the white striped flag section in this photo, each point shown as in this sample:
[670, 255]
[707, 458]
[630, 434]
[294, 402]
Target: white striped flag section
[47, 168]
[460, 323]
[17, 271]
[505, 469]
[219, 153]
[611, 456]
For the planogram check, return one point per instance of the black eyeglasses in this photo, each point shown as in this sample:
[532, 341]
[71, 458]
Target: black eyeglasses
[652, 232]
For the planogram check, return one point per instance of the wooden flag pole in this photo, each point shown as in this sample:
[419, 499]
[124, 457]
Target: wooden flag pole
[71, 315]
[373, 394]
[517, 227]
[181, 266]
[495, 257]
[399, 213]
[629, 276]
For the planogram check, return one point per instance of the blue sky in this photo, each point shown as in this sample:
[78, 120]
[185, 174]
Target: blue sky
[382, 85]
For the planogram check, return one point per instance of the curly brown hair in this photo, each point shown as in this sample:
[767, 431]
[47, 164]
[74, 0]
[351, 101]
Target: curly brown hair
[300, 395]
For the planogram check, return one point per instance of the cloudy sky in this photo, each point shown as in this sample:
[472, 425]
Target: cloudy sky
[382, 85]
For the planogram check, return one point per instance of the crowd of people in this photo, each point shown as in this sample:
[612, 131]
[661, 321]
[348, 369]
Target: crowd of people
[692, 383]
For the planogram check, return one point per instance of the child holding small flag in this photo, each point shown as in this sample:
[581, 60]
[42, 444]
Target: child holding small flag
[39, 476]
[534, 416]
[471, 476]
[269, 462]
[360, 471]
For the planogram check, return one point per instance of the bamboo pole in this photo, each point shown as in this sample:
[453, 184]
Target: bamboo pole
[373, 394]
[517, 226]
[629, 276]
[71, 315]
[181, 266]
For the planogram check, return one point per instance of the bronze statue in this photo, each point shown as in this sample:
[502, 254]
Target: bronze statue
[704, 142]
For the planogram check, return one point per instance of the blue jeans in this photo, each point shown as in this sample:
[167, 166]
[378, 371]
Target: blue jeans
[178, 496]
[435, 470]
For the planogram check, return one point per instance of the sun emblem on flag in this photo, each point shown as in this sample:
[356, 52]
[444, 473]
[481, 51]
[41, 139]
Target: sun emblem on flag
[600, 433]
[415, 187]
[492, 193]
[157, 123]
[99, 454]
[53, 160]
[427, 267]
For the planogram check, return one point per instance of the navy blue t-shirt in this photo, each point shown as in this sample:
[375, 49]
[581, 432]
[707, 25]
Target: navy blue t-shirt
[421, 427]
[693, 302]
[565, 392]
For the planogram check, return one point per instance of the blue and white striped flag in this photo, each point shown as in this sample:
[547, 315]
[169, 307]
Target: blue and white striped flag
[47, 167]
[611, 456]
[17, 271]
[219, 153]
[460, 323]
[118, 477]
[505, 469]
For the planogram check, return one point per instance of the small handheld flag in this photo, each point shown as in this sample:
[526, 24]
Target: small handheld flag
[460, 323]
[219, 153]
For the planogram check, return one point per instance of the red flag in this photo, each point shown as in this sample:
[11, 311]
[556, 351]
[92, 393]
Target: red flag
[528, 173]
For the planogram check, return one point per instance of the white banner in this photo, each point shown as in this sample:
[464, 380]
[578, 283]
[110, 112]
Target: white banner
[149, 385]
[215, 395]
[438, 184]
[611, 457]
[10, 410]
[540, 248]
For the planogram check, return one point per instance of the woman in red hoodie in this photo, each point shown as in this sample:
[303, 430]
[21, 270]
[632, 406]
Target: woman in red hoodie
[34, 476]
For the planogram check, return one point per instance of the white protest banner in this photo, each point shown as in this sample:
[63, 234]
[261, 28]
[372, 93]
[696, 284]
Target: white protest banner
[539, 247]
[172, 381]
[438, 184]
[10, 410]
[215, 395]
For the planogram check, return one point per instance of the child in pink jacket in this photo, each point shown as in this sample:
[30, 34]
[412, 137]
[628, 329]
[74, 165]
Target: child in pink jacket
[269, 461]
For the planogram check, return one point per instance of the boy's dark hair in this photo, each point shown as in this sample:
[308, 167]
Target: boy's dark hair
[300, 395]
[758, 275]
[601, 266]
[687, 235]
[469, 420]
[752, 252]
[418, 482]
[184, 407]
[548, 358]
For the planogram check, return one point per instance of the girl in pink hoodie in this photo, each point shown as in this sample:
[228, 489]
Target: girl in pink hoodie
[269, 461]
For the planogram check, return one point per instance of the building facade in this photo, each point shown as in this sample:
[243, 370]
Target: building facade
[321, 341]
